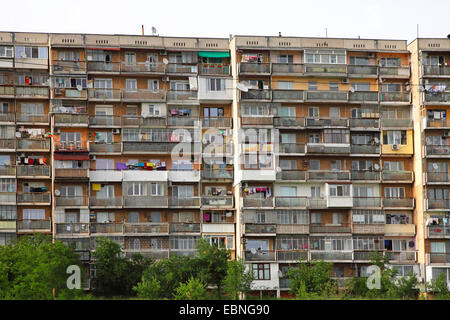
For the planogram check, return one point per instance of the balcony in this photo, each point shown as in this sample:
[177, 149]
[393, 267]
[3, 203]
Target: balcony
[217, 201]
[182, 68]
[184, 227]
[292, 228]
[143, 95]
[326, 96]
[365, 175]
[405, 256]
[183, 96]
[32, 92]
[6, 91]
[263, 229]
[438, 204]
[317, 203]
[72, 146]
[147, 147]
[326, 122]
[288, 95]
[213, 174]
[396, 203]
[438, 124]
[368, 228]
[437, 150]
[98, 148]
[69, 93]
[146, 229]
[330, 228]
[8, 226]
[104, 94]
[395, 97]
[256, 121]
[285, 283]
[363, 96]
[145, 202]
[363, 71]
[397, 123]
[111, 202]
[184, 202]
[104, 121]
[256, 95]
[437, 98]
[182, 121]
[438, 257]
[68, 66]
[334, 70]
[254, 68]
[332, 255]
[34, 198]
[7, 117]
[365, 124]
[395, 72]
[367, 202]
[32, 118]
[72, 228]
[143, 67]
[433, 71]
[33, 171]
[71, 120]
[366, 256]
[328, 148]
[214, 69]
[291, 256]
[7, 145]
[324, 175]
[259, 255]
[217, 122]
[139, 121]
[106, 228]
[406, 230]
[290, 202]
[291, 175]
[257, 203]
[288, 69]
[156, 254]
[7, 171]
[75, 173]
[289, 122]
[34, 226]
[365, 149]
[33, 145]
[291, 148]
[438, 232]
[7, 198]
[103, 67]
[398, 176]
[81, 201]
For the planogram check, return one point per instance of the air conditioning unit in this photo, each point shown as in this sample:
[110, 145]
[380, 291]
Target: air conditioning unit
[244, 240]
[116, 131]
[371, 55]
[395, 147]
[345, 80]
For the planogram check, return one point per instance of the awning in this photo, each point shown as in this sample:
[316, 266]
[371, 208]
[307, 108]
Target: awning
[214, 54]
[58, 156]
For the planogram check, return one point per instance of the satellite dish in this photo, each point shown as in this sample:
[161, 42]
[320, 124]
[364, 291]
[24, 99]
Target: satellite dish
[278, 169]
[241, 87]
[79, 87]
[435, 166]
[18, 135]
[352, 89]
[57, 193]
[376, 166]
[253, 251]
[165, 61]
[376, 140]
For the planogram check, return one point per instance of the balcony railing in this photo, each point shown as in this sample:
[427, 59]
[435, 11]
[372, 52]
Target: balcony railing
[365, 123]
[335, 69]
[438, 231]
[69, 66]
[8, 197]
[323, 228]
[105, 147]
[287, 68]
[71, 120]
[441, 97]
[184, 227]
[367, 202]
[112, 202]
[254, 68]
[139, 95]
[291, 175]
[34, 197]
[260, 255]
[290, 202]
[437, 149]
[396, 123]
[182, 121]
[395, 97]
[32, 118]
[7, 116]
[69, 93]
[104, 94]
[8, 144]
[7, 171]
[251, 203]
[105, 121]
[288, 95]
[328, 148]
[145, 201]
[439, 257]
[100, 66]
[33, 171]
[143, 67]
[443, 177]
[34, 225]
[317, 203]
[146, 228]
[337, 96]
[217, 122]
[364, 96]
[71, 173]
[139, 121]
[7, 91]
[368, 228]
[181, 68]
[32, 92]
[253, 94]
[217, 173]
[291, 255]
[395, 71]
[398, 202]
[72, 228]
[441, 123]
[365, 149]
[33, 144]
[178, 95]
[70, 146]
[326, 122]
[436, 70]
[291, 148]
[406, 176]
[184, 202]
[438, 204]
[260, 228]
[106, 227]
[80, 201]
[329, 175]
[289, 122]
[364, 70]
[131, 146]
[365, 175]
[331, 255]
[405, 256]
[255, 121]
[214, 69]
[217, 201]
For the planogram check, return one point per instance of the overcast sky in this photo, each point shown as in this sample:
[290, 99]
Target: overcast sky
[381, 19]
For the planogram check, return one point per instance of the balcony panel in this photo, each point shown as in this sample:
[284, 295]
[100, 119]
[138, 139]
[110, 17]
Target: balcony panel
[363, 96]
[143, 95]
[143, 67]
[182, 96]
[404, 97]
[288, 95]
[100, 66]
[406, 256]
[438, 232]
[211, 174]
[365, 149]
[368, 228]
[8, 226]
[112, 202]
[217, 122]
[328, 148]
[69, 93]
[430, 70]
[33, 171]
[287, 68]
[106, 228]
[317, 203]
[253, 94]
[260, 228]
[7, 171]
[290, 202]
[403, 176]
[81, 201]
[75, 146]
[7, 198]
[329, 175]
[366, 124]
[72, 228]
[71, 120]
[104, 94]
[139, 121]
[146, 228]
[218, 227]
[66, 173]
[184, 228]
[400, 229]
[259, 255]
[32, 144]
[32, 92]
[6, 91]
[365, 176]
[68, 66]
[256, 203]
[291, 175]
[145, 202]
[291, 148]
[34, 198]
[7, 144]
[332, 255]
[396, 123]
[32, 118]
[439, 258]
[184, 202]
[292, 228]
[105, 121]
[289, 122]
[366, 202]
[105, 147]
[254, 121]
[182, 121]
[181, 68]
[7, 116]
[332, 96]
[398, 203]
[437, 97]
[214, 69]
[34, 225]
[217, 201]
[344, 228]
[402, 72]
[254, 68]
[326, 122]
[291, 255]
[437, 150]
[138, 147]
[437, 124]
[326, 69]
[438, 204]
[362, 70]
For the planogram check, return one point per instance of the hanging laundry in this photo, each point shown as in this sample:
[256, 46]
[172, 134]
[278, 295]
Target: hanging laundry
[268, 193]
[96, 187]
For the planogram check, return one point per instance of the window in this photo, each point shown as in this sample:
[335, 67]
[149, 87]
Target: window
[363, 191]
[394, 192]
[6, 52]
[222, 242]
[394, 137]
[33, 214]
[104, 137]
[390, 62]
[32, 108]
[359, 86]
[31, 52]
[70, 137]
[336, 136]
[104, 164]
[314, 138]
[288, 164]
[130, 58]
[315, 192]
[316, 218]
[325, 56]
[8, 212]
[438, 247]
[334, 86]
[104, 217]
[103, 83]
[179, 85]
[313, 112]
[335, 165]
[288, 191]
[393, 165]
[7, 185]
[285, 85]
[287, 112]
[391, 87]
[285, 58]
[261, 271]
[403, 271]
[314, 164]
[183, 243]
[362, 165]
[136, 189]
[256, 110]
[131, 84]
[216, 84]
[153, 84]
[288, 138]
[292, 217]
[368, 217]
[339, 190]
[359, 61]
[312, 85]
[68, 55]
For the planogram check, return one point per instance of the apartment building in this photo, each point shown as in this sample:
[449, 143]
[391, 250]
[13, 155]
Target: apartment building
[431, 94]
[331, 174]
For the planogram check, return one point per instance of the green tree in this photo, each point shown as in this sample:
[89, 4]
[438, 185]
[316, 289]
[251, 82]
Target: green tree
[211, 264]
[439, 287]
[33, 267]
[193, 289]
[237, 279]
[312, 278]
[148, 288]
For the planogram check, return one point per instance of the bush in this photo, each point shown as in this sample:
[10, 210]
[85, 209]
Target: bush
[148, 288]
[193, 289]
[439, 287]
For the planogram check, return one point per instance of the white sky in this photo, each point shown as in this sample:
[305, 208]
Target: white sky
[381, 19]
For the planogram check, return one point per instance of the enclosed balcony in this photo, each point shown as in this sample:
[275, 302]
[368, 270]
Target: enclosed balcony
[214, 69]
[71, 120]
[143, 95]
[260, 229]
[81, 229]
[28, 92]
[34, 198]
[184, 227]
[71, 173]
[260, 255]
[335, 70]
[145, 201]
[291, 175]
[146, 229]
[254, 68]
[77, 201]
[288, 69]
[398, 176]
[395, 97]
[437, 98]
[104, 94]
[105, 148]
[103, 67]
[325, 175]
[143, 67]
[363, 96]
[68, 66]
[438, 232]
[217, 202]
[397, 203]
[363, 71]
[288, 95]
[402, 72]
[33, 171]
[256, 95]
[326, 96]
[330, 228]
[28, 226]
[290, 202]
[436, 71]
[33, 145]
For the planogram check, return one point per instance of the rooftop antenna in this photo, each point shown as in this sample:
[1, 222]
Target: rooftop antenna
[279, 34]
[142, 29]
[417, 31]
[326, 32]
[154, 31]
